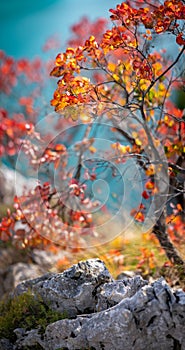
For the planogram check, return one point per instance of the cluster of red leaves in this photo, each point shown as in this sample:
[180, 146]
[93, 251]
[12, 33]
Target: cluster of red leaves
[172, 132]
[27, 102]
[85, 28]
[147, 261]
[123, 74]
[41, 218]
[115, 38]
[175, 222]
[163, 18]
[71, 91]
[12, 131]
[126, 67]
[12, 70]
[16, 76]
[139, 213]
[74, 89]
[56, 154]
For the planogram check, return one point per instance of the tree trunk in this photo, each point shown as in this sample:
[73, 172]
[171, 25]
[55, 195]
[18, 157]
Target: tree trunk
[160, 232]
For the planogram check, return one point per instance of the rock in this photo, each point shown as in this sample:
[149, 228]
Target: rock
[14, 268]
[5, 344]
[74, 290]
[17, 266]
[105, 314]
[28, 339]
[48, 259]
[13, 182]
[110, 294]
[20, 272]
[147, 320]
[126, 274]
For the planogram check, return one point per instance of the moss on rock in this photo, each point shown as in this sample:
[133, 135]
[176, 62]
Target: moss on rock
[25, 311]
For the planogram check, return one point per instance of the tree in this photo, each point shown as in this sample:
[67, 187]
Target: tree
[131, 84]
[117, 83]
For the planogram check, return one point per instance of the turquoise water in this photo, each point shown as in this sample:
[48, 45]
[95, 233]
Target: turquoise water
[26, 25]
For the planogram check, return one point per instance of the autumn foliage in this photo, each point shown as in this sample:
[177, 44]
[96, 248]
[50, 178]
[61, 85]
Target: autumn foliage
[122, 75]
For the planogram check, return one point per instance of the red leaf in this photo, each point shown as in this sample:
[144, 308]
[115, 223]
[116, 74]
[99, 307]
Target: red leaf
[180, 40]
[145, 195]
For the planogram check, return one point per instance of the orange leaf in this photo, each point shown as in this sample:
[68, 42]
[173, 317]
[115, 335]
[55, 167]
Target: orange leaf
[149, 185]
[60, 148]
[179, 207]
[139, 216]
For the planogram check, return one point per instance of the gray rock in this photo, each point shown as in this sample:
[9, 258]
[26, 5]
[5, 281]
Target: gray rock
[47, 259]
[105, 314]
[110, 294]
[20, 272]
[13, 271]
[74, 290]
[28, 339]
[5, 344]
[12, 182]
[128, 274]
[16, 266]
[147, 320]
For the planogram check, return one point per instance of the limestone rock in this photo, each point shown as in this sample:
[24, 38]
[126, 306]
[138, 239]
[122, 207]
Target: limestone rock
[105, 314]
[153, 318]
[110, 294]
[74, 290]
[28, 339]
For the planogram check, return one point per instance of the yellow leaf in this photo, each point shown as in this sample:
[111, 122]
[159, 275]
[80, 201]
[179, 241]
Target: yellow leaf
[124, 149]
[150, 171]
[92, 149]
[111, 66]
[138, 142]
[161, 87]
[116, 77]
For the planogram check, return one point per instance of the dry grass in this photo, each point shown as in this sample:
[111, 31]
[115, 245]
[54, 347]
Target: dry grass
[130, 251]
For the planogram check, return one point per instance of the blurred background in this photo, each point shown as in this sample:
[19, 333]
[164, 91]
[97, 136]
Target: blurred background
[25, 28]
[26, 25]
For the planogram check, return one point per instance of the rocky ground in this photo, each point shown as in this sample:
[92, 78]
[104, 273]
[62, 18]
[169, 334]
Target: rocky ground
[102, 313]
